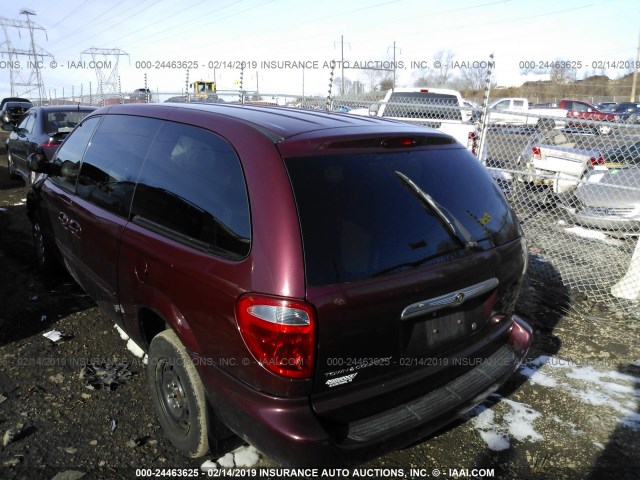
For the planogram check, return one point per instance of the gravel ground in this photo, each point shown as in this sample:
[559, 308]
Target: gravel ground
[571, 412]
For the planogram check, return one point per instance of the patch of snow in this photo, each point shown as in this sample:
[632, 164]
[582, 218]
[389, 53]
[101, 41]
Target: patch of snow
[632, 421]
[246, 456]
[209, 465]
[516, 423]
[122, 333]
[227, 461]
[495, 441]
[520, 420]
[135, 349]
[537, 377]
[599, 445]
[593, 235]
[601, 388]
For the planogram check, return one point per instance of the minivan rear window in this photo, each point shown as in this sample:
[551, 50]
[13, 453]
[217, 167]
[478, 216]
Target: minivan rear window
[370, 214]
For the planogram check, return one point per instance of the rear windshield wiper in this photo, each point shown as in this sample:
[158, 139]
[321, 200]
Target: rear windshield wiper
[450, 222]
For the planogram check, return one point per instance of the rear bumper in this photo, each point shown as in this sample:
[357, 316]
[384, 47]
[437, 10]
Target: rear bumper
[597, 219]
[289, 431]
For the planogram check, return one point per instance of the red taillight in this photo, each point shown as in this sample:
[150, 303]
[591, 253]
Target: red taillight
[51, 143]
[279, 333]
[536, 151]
[424, 90]
[398, 142]
[597, 161]
[472, 143]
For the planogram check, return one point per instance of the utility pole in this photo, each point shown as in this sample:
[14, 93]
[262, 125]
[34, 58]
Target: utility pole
[32, 84]
[394, 64]
[342, 63]
[635, 73]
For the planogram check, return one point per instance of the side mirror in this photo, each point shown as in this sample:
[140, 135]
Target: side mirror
[373, 109]
[8, 127]
[37, 162]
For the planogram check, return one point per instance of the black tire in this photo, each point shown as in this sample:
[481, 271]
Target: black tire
[178, 395]
[45, 253]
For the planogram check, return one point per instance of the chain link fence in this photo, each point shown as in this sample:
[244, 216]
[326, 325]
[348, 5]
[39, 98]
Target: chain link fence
[572, 178]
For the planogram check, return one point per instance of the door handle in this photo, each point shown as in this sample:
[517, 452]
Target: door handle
[74, 226]
[64, 220]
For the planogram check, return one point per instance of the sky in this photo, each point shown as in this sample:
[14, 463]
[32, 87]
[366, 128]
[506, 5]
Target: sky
[162, 37]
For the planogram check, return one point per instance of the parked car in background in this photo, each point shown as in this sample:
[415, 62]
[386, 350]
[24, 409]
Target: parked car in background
[249, 250]
[41, 130]
[625, 107]
[631, 115]
[555, 166]
[609, 199]
[606, 105]
[141, 95]
[12, 111]
[438, 108]
[13, 99]
[598, 121]
[518, 112]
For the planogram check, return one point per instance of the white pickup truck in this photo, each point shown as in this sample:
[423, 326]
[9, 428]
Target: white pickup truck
[517, 111]
[438, 108]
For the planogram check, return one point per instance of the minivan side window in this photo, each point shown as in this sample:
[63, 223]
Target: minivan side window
[113, 159]
[192, 189]
[70, 154]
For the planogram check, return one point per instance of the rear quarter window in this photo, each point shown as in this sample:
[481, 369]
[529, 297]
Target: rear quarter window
[69, 155]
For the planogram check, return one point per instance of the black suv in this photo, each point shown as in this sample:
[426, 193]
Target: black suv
[13, 108]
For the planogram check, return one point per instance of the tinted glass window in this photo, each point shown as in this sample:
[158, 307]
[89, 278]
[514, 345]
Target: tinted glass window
[70, 154]
[366, 215]
[192, 188]
[26, 125]
[423, 105]
[113, 159]
[63, 122]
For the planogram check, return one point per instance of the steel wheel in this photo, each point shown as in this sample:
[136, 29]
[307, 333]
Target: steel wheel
[178, 395]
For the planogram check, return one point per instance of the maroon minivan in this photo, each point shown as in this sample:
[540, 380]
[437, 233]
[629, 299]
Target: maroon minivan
[328, 287]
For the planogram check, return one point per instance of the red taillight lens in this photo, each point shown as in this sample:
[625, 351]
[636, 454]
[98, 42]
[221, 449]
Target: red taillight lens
[536, 151]
[597, 161]
[398, 142]
[280, 333]
[472, 143]
[51, 143]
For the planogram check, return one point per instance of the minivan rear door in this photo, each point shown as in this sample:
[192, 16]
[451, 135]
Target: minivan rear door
[408, 253]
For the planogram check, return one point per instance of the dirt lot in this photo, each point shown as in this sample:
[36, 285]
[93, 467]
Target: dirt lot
[571, 412]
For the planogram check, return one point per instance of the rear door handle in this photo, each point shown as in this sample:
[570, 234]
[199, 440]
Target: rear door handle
[74, 226]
